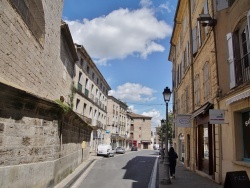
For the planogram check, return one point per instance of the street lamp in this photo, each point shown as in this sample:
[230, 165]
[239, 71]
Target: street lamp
[166, 95]
[162, 154]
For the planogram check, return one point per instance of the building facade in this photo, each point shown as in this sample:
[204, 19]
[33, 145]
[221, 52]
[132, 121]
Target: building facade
[210, 56]
[140, 131]
[91, 96]
[117, 130]
[40, 136]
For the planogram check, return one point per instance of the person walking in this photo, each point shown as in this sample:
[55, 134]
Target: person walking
[172, 161]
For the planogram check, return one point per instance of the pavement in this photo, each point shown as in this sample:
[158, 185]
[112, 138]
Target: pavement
[183, 177]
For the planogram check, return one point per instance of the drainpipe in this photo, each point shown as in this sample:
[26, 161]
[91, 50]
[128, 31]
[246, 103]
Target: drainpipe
[217, 98]
[192, 73]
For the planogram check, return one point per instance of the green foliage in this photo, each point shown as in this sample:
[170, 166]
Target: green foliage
[170, 130]
[71, 96]
[64, 106]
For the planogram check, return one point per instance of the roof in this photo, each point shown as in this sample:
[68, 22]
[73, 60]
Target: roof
[133, 115]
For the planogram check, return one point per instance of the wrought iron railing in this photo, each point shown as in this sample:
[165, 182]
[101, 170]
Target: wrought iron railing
[242, 69]
[79, 87]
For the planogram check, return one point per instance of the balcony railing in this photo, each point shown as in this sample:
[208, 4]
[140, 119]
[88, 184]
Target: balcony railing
[79, 87]
[242, 69]
[86, 93]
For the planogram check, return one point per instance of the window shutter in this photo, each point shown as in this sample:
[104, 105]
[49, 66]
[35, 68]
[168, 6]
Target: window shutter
[194, 35]
[248, 23]
[187, 55]
[231, 59]
[221, 4]
[199, 33]
[182, 67]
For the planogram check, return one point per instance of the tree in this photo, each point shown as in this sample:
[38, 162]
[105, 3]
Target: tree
[170, 130]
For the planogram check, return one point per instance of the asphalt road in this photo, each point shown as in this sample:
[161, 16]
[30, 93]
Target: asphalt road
[129, 170]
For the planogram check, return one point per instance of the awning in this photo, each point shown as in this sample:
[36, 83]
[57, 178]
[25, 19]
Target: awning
[238, 97]
[201, 110]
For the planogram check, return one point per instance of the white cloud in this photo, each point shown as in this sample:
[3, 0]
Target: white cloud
[133, 92]
[146, 3]
[156, 117]
[121, 33]
[166, 6]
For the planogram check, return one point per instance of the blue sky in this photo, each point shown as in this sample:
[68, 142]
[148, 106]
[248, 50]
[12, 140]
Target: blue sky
[129, 41]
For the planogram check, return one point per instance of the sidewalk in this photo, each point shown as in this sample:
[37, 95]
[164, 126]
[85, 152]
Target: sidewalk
[185, 178]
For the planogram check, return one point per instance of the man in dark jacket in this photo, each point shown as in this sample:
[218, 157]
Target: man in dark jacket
[172, 161]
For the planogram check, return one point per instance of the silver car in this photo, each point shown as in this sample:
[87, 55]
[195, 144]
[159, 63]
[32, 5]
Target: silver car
[120, 149]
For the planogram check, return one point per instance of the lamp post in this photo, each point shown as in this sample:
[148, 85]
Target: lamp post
[166, 95]
[162, 155]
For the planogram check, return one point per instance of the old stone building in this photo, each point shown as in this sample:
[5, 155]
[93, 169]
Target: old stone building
[91, 96]
[233, 55]
[117, 123]
[210, 56]
[140, 131]
[40, 136]
[195, 86]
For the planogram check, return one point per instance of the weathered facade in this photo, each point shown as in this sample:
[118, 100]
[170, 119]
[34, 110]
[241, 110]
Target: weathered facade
[233, 55]
[140, 131]
[117, 133]
[90, 99]
[40, 139]
[210, 56]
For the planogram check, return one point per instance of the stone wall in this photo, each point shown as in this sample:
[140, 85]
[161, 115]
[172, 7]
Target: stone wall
[38, 140]
[34, 67]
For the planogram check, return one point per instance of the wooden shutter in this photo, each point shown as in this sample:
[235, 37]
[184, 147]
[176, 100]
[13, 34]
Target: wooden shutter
[248, 23]
[194, 35]
[187, 55]
[231, 59]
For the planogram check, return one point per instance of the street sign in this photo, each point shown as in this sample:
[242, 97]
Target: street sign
[216, 116]
[183, 120]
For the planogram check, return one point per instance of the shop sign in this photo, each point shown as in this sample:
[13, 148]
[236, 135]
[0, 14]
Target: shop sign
[183, 120]
[216, 116]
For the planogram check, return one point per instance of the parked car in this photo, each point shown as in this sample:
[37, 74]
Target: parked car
[105, 150]
[120, 149]
[133, 148]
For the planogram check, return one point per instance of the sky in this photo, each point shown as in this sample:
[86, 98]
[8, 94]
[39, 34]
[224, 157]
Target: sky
[129, 41]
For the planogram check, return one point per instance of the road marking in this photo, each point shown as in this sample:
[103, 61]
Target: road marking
[153, 175]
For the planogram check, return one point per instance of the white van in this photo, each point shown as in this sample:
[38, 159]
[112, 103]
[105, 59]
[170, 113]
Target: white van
[105, 149]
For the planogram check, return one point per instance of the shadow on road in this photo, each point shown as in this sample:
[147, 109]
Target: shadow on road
[139, 169]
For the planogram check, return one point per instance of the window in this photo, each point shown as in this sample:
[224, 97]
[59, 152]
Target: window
[32, 14]
[246, 134]
[206, 80]
[81, 62]
[239, 53]
[187, 99]
[79, 87]
[197, 90]
[88, 69]
[77, 103]
[84, 108]
[195, 41]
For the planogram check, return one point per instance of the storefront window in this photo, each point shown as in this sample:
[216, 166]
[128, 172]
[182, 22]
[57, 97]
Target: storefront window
[246, 134]
[206, 143]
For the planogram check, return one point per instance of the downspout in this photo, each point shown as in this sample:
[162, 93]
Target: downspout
[192, 77]
[217, 98]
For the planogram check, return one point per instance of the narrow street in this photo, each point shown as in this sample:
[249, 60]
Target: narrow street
[129, 170]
